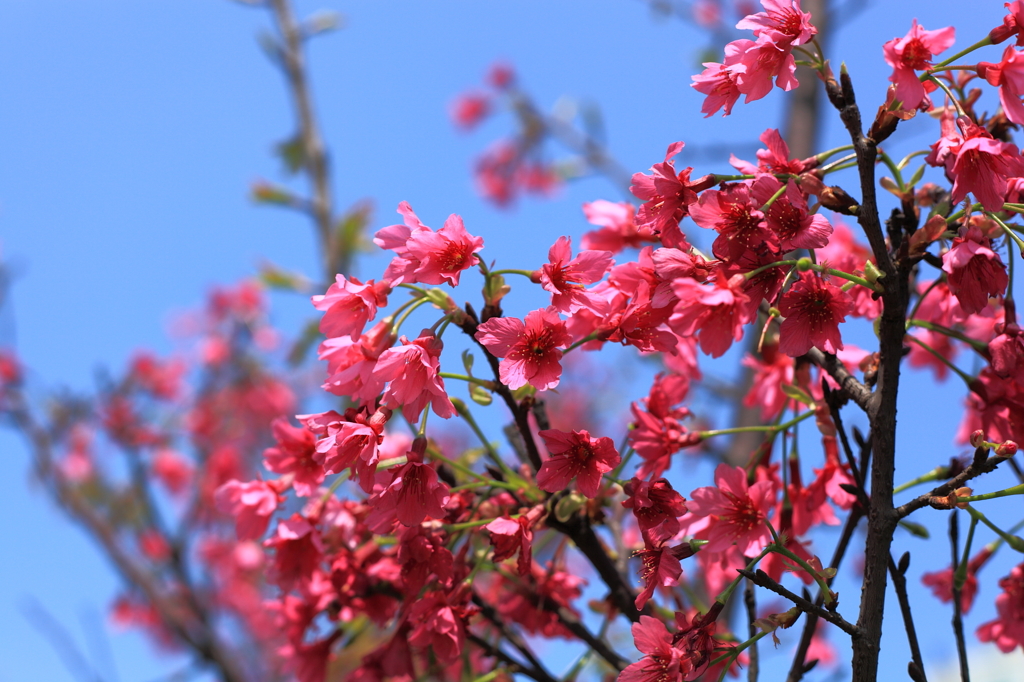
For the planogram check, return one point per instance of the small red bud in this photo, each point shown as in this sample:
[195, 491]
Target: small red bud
[977, 439]
[1007, 448]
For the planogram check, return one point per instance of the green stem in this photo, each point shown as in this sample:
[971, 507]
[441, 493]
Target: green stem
[920, 299]
[960, 577]
[776, 428]
[757, 271]
[939, 473]
[473, 380]
[1015, 490]
[949, 93]
[779, 193]
[959, 372]
[961, 213]
[1009, 233]
[723, 597]
[525, 273]
[832, 152]
[416, 304]
[719, 179]
[979, 346]
[967, 50]
[839, 164]
[894, 169]
[586, 339]
[818, 578]
[906, 159]
[455, 527]
[1012, 540]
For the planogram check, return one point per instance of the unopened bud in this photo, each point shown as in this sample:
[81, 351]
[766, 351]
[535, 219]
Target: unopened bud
[836, 199]
[977, 439]
[804, 264]
[1007, 448]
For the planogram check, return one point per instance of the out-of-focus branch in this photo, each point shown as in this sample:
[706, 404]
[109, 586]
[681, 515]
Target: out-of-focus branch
[315, 160]
[180, 619]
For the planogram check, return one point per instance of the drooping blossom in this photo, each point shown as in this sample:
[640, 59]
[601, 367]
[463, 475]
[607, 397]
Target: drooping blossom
[1008, 76]
[618, 227]
[738, 510]
[974, 271]
[740, 224]
[983, 166]
[718, 81]
[413, 372]
[576, 455]
[298, 550]
[349, 441]
[656, 506]
[439, 625]
[913, 52]
[772, 371]
[789, 217]
[941, 582]
[658, 432]
[413, 494]
[510, 536]
[1007, 630]
[251, 504]
[351, 361]
[531, 349]
[421, 553]
[715, 314]
[774, 159]
[658, 568]
[425, 256]
[661, 662]
[564, 276]
[349, 304]
[294, 454]
[642, 325]
[667, 196]
[813, 308]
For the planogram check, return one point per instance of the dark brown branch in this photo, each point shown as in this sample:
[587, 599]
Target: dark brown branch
[507, 633]
[573, 625]
[982, 464]
[858, 392]
[899, 583]
[750, 601]
[958, 619]
[806, 605]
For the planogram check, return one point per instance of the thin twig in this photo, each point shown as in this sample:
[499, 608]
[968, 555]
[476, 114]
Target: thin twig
[750, 601]
[899, 583]
[513, 665]
[958, 620]
[807, 606]
[982, 464]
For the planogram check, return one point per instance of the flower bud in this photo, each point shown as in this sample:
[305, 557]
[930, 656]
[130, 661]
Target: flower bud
[977, 439]
[1007, 448]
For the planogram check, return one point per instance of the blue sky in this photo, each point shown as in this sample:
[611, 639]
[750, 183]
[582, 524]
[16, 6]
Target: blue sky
[131, 131]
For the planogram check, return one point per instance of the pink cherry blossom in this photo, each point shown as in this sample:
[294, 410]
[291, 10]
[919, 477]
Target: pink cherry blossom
[983, 167]
[251, 504]
[975, 272]
[661, 661]
[739, 510]
[618, 227]
[813, 308]
[530, 350]
[715, 314]
[576, 455]
[1008, 76]
[412, 370]
[564, 276]
[1007, 630]
[911, 53]
[349, 304]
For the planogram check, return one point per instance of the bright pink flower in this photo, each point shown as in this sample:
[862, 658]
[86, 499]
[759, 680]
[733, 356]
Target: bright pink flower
[658, 433]
[427, 256]
[788, 216]
[351, 361]
[774, 159]
[252, 504]
[576, 455]
[618, 229]
[974, 271]
[1008, 76]
[813, 309]
[298, 551]
[657, 508]
[1007, 631]
[531, 351]
[718, 81]
[414, 493]
[438, 626]
[412, 369]
[642, 325]
[350, 444]
[349, 304]
[469, 109]
[662, 661]
[911, 53]
[421, 553]
[510, 536]
[564, 276]
[759, 64]
[658, 568]
[294, 455]
[984, 166]
[782, 22]
[738, 511]
[667, 197]
[740, 224]
[715, 314]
